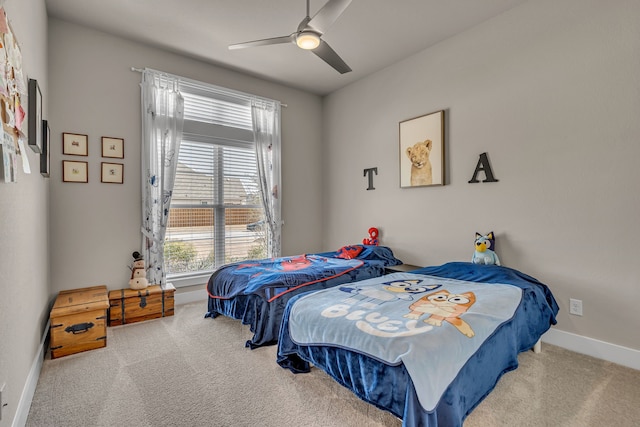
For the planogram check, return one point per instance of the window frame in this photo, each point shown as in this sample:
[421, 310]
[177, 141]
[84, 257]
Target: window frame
[210, 133]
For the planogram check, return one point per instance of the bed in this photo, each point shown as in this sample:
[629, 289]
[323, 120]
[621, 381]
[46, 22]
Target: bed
[388, 340]
[257, 291]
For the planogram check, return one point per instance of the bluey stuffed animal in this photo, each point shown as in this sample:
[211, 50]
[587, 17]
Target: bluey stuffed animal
[484, 253]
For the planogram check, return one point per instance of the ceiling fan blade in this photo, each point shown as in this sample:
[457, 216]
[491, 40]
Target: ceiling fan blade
[275, 40]
[328, 14]
[329, 56]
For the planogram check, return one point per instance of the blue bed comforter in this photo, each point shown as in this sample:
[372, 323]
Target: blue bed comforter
[271, 278]
[256, 292]
[391, 382]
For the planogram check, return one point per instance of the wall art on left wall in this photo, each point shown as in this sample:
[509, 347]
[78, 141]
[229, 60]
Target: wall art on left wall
[112, 147]
[75, 171]
[75, 144]
[45, 156]
[112, 173]
[35, 116]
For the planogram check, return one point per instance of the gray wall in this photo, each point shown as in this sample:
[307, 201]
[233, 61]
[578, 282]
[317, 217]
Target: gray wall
[550, 91]
[95, 227]
[24, 231]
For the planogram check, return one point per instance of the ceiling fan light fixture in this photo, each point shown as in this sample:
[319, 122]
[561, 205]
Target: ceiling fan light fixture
[308, 40]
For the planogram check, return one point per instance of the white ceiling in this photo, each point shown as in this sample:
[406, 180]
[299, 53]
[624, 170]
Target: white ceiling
[370, 34]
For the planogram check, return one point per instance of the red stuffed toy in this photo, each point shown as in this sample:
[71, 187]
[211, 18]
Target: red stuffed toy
[349, 252]
[373, 237]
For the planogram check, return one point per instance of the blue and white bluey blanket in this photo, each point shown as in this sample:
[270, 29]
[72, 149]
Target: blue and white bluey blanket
[432, 325]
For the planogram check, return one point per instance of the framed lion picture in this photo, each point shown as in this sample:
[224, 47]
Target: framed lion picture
[422, 150]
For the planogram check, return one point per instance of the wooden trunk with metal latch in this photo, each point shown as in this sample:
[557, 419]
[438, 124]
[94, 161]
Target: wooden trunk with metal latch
[78, 321]
[130, 305]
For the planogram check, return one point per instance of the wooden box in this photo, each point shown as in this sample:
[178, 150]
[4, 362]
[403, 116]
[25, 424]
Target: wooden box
[79, 321]
[130, 305]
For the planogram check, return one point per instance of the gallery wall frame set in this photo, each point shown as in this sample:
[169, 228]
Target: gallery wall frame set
[421, 150]
[77, 144]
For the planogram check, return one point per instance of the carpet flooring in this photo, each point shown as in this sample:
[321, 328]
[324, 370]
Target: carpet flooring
[186, 370]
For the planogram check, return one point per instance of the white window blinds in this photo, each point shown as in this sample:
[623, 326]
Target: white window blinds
[216, 213]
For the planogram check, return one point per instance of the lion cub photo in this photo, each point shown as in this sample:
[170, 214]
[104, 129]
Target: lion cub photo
[420, 163]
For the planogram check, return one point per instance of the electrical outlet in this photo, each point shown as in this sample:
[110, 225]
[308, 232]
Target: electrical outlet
[2, 396]
[575, 306]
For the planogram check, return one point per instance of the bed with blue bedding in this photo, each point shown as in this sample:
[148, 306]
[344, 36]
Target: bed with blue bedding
[428, 345]
[257, 291]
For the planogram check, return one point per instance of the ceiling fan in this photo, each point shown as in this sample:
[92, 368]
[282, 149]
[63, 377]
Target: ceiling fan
[309, 33]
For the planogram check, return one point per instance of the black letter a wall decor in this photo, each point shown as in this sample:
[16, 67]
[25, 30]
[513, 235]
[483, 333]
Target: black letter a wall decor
[484, 166]
[370, 172]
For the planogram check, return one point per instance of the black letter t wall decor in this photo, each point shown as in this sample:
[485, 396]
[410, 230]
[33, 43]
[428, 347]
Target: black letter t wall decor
[370, 172]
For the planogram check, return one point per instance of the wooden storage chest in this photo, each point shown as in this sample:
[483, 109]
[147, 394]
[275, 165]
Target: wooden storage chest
[130, 305]
[78, 321]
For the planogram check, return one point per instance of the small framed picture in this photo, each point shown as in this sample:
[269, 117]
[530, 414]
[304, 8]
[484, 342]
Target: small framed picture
[35, 116]
[112, 173]
[75, 144]
[75, 171]
[45, 156]
[112, 147]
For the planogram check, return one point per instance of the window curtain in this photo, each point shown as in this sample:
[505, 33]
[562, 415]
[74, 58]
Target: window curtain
[266, 130]
[162, 123]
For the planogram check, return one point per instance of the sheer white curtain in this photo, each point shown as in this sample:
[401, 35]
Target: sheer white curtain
[162, 122]
[266, 130]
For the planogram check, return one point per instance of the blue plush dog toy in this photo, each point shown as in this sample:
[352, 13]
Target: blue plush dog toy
[485, 253]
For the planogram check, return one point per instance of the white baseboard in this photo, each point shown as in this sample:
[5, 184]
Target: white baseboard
[22, 413]
[191, 296]
[602, 350]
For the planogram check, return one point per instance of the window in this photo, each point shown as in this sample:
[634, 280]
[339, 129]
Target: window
[216, 214]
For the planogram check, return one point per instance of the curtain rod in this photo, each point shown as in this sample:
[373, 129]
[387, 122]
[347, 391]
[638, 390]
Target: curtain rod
[140, 70]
